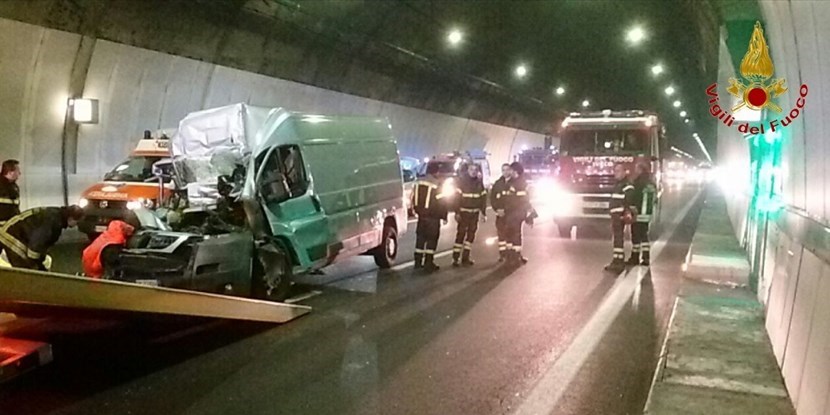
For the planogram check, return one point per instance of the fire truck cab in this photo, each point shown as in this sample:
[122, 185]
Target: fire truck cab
[129, 186]
[591, 145]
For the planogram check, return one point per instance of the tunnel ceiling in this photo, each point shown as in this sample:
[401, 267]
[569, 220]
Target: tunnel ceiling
[397, 51]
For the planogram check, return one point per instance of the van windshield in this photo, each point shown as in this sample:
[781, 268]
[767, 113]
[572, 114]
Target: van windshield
[134, 169]
[596, 142]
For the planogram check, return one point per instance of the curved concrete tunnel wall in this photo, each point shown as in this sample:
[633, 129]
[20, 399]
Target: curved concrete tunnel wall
[794, 271]
[140, 89]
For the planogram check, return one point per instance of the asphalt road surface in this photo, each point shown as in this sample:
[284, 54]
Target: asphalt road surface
[557, 335]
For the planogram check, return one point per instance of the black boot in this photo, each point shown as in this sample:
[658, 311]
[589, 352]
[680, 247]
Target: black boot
[429, 264]
[646, 261]
[419, 261]
[633, 260]
[465, 259]
[616, 266]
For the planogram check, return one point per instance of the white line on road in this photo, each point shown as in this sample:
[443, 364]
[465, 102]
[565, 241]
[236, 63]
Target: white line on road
[548, 390]
[411, 263]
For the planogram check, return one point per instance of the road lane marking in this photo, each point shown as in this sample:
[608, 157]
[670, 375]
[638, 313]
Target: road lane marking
[545, 395]
[406, 265]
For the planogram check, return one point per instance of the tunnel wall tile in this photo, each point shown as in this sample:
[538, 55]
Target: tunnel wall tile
[815, 384]
[803, 304]
[139, 90]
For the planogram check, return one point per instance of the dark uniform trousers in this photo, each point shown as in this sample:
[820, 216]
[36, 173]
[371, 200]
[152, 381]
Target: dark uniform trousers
[466, 233]
[621, 200]
[426, 239]
[513, 231]
[428, 203]
[501, 232]
[639, 229]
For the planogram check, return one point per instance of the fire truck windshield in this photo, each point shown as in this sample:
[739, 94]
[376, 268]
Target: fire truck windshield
[444, 167]
[582, 142]
[134, 169]
[541, 159]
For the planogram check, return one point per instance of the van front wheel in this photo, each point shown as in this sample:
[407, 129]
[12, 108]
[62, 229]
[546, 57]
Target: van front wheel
[271, 273]
[386, 252]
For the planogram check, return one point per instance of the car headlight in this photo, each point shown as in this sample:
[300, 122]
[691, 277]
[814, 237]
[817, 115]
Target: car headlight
[448, 188]
[83, 202]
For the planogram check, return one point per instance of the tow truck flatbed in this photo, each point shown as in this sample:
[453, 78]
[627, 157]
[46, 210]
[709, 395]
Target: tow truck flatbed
[25, 291]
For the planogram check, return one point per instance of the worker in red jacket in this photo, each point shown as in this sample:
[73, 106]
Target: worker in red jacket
[105, 248]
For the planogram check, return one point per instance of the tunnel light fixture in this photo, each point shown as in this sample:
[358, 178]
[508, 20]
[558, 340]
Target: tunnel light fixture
[84, 110]
[586, 103]
[521, 71]
[657, 69]
[687, 120]
[560, 90]
[683, 113]
[455, 37]
[677, 104]
[669, 90]
[635, 35]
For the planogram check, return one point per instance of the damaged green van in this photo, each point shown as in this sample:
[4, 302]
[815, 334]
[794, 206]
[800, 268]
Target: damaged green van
[264, 194]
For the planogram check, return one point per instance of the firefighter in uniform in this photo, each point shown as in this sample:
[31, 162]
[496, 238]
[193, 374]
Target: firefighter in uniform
[472, 203]
[430, 206]
[620, 209]
[644, 198]
[9, 192]
[498, 195]
[517, 211]
[26, 237]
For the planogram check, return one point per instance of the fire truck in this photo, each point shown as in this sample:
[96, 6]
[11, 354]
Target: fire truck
[591, 145]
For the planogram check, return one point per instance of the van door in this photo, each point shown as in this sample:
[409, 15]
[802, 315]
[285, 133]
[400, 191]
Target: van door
[293, 212]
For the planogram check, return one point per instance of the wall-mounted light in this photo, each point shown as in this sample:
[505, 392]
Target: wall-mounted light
[84, 110]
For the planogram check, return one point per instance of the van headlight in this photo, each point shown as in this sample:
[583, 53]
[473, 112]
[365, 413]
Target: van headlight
[83, 202]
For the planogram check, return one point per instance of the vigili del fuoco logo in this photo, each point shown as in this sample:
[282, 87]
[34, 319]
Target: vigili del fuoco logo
[756, 90]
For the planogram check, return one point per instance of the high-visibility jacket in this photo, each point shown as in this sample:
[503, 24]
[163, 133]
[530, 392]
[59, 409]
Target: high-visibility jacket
[644, 197]
[472, 193]
[30, 234]
[427, 199]
[516, 200]
[621, 197]
[117, 233]
[9, 200]
[498, 193]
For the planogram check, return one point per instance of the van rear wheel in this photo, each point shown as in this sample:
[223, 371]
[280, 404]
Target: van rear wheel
[271, 273]
[565, 230]
[387, 251]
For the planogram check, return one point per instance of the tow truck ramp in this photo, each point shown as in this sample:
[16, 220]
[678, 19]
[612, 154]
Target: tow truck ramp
[25, 289]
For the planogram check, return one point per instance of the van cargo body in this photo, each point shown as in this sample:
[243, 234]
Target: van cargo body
[315, 189]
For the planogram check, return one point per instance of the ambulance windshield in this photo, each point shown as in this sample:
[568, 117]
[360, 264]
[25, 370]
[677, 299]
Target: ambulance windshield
[134, 169]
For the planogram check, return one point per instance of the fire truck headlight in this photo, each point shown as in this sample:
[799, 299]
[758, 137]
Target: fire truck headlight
[148, 203]
[83, 202]
[448, 188]
[134, 204]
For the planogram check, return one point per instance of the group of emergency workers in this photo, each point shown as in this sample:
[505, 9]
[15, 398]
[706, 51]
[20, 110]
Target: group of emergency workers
[632, 203]
[26, 237]
[508, 198]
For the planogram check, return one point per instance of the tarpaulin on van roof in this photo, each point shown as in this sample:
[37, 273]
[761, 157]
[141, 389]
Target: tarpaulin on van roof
[228, 129]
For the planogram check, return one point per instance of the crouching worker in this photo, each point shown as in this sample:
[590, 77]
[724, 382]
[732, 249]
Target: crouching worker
[102, 254]
[26, 237]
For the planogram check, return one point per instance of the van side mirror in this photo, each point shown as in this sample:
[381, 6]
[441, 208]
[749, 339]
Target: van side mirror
[274, 189]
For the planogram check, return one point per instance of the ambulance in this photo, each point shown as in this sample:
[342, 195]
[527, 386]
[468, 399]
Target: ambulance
[128, 186]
